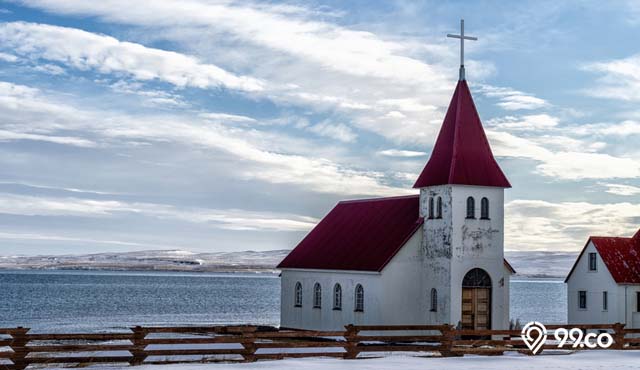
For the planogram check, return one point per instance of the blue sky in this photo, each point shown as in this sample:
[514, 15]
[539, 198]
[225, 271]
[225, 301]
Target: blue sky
[221, 125]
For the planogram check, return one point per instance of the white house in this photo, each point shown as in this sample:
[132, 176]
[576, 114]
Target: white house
[604, 283]
[432, 258]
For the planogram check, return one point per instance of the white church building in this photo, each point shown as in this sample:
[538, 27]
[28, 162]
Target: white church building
[432, 258]
[603, 287]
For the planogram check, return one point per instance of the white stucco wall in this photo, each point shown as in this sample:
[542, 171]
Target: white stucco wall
[394, 296]
[456, 245]
[621, 298]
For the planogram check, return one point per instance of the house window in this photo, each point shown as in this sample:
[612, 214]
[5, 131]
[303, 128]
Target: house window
[471, 208]
[484, 209]
[439, 208]
[359, 299]
[431, 207]
[434, 300]
[638, 301]
[317, 296]
[298, 295]
[337, 297]
[593, 266]
[605, 301]
[582, 299]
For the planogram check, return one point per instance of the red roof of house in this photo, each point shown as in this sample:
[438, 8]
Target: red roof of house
[462, 154]
[620, 255]
[359, 235]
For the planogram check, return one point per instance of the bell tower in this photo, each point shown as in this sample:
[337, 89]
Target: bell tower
[462, 203]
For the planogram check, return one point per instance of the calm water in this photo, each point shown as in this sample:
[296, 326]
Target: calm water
[70, 301]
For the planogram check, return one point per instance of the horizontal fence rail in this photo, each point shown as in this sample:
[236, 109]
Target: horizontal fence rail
[244, 343]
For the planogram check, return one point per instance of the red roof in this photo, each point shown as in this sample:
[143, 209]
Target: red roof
[462, 154]
[620, 255]
[359, 235]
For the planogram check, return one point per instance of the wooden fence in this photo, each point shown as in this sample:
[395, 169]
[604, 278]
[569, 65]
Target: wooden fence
[155, 345]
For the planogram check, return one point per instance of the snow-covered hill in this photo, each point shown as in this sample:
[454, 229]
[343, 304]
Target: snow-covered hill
[539, 264]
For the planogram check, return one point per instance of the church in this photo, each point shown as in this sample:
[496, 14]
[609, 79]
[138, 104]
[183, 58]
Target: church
[432, 258]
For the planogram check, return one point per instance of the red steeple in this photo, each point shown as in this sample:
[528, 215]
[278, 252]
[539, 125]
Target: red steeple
[462, 154]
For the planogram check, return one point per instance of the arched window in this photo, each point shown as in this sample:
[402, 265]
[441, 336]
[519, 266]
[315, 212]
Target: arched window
[298, 295]
[476, 278]
[484, 209]
[430, 207]
[359, 301]
[337, 297]
[317, 296]
[471, 208]
[439, 208]
[434, 300]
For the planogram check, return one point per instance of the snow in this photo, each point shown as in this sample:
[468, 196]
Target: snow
[591, 360]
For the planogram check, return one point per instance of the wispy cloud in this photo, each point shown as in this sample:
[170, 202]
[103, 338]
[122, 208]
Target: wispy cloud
[621, 189]
[85, 50]
[512, 100]
[401, 153]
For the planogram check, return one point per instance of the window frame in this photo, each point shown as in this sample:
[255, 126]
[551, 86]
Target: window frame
[582, 294]
[592, 262]
[317, 295]
[337, 297]
[358, 298]
[297, 295]
[434, 300]
[430, 212]
[471, 208]
[484, 209]
[605, 301]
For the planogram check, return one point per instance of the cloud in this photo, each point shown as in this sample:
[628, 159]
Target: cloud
[564, 165]
[8, 57]
[66, 140]
[541, 225]
[619, 78]
[534, 122]
[336, 131]
[401, 153]
[231, 219]
[621, 189]
[85, 50]
[510, 99]
[225, 117]
[29, 112]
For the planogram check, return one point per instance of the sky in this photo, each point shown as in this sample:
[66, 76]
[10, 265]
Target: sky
[226, 126]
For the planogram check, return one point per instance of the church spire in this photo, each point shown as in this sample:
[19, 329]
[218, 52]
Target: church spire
[462, 37]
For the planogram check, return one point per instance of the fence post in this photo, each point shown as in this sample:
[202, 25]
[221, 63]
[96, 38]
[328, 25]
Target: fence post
[351, 346]
[138, 346]
[19, 346]
[618, 335]
[448, 336]
[249, 344]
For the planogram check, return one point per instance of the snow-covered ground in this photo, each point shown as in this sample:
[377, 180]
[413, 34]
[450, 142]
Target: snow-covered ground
[576, 361]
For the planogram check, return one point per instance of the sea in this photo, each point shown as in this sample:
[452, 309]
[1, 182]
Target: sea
[103, 301]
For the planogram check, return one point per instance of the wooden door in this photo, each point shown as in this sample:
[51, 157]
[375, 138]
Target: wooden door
[476, 308]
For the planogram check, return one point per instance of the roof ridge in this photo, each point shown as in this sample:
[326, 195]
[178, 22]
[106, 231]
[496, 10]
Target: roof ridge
[378, 199]
[454, 153]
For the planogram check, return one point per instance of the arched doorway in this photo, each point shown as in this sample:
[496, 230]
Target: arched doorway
[476, 300]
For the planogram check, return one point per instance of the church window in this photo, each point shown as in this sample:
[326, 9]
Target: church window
[359, 299]
[476, 278]
[605, 301]
[471, 208]
[298, 295]
[638, 301]
[593, 266]
[484, 209]
[439, 208]
[317, 296]
[337, 297]
[582, 299]
[434, 300]
[430, 207]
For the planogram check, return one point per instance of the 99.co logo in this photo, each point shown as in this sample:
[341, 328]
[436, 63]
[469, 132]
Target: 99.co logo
[534, 335]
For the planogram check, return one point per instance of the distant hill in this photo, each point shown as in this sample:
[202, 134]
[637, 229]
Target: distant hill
[529, 264]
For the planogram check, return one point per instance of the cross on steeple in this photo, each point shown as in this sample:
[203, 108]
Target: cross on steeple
[462, 37]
